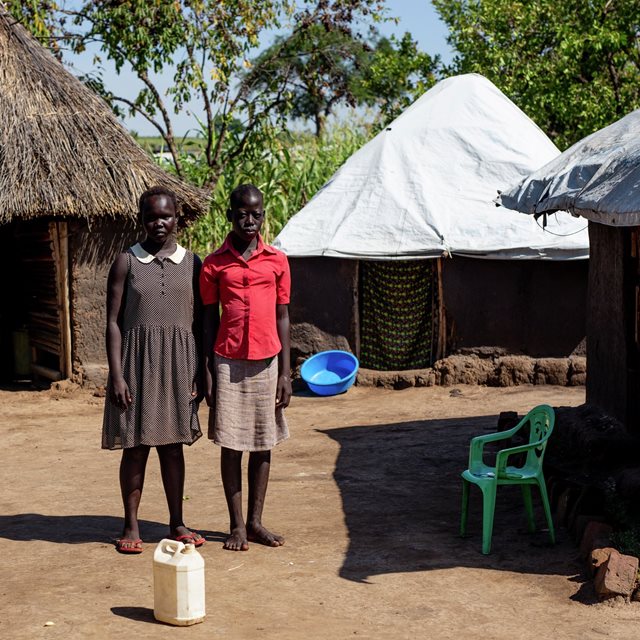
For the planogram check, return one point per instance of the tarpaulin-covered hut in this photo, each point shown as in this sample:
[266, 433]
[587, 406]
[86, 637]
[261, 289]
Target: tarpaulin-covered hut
[598, 179]
[70, 177]
[404, 252]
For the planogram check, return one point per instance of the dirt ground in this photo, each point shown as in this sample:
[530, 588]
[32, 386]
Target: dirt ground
[367, 493]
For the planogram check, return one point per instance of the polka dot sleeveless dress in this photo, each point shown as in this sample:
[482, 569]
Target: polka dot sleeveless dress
[159, 354]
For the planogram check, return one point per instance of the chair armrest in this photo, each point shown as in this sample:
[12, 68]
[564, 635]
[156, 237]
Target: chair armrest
[476, 446]
[502, 456]
[493, 437]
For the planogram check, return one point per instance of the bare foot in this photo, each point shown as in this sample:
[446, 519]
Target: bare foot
[237, 541]
[129, 533]
[180, 531]
[257, 533]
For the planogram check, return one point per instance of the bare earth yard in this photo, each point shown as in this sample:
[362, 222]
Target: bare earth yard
[367, 493]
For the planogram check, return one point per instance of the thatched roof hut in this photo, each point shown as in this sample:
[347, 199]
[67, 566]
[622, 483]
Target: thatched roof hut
[63, 153]
[70, 179]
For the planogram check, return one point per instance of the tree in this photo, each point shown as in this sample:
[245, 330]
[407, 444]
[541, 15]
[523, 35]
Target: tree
[572, 66]
[317, 66]
[325, 69]
[206, 44]
[396, 74]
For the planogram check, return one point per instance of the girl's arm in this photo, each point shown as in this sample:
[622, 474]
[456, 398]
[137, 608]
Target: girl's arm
[120, 395]
[197, 389]
[210, 325]
[283, 392]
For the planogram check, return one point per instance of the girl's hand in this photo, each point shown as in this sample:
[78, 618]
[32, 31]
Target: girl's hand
[120, 394]
[283, 392]
[196, 390]
[209, 389]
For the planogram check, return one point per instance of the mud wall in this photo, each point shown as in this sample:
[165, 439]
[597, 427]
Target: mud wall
[606, 321]
[324, 305]
[92, 250]
[531, 307]
[526, 307]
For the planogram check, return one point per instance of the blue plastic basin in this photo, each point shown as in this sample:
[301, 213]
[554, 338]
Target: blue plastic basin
[330, 372]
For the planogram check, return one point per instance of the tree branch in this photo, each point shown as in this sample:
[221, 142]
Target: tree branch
[169, 136]
[134, 107]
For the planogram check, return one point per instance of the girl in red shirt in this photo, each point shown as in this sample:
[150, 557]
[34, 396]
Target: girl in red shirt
[246, 360]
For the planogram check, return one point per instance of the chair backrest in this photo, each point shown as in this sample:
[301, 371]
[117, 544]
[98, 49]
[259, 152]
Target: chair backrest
[541, 421]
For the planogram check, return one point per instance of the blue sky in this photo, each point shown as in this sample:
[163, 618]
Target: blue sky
[416, 16]
[420, 18]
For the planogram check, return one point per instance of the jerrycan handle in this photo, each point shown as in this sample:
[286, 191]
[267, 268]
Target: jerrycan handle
[171, 547]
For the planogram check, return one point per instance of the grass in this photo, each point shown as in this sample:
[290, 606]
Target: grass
[288, 170]
[156, 144]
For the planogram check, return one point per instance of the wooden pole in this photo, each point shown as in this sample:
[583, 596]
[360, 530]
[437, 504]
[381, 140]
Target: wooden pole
[355, 301]
[441, 346]
[60, 238]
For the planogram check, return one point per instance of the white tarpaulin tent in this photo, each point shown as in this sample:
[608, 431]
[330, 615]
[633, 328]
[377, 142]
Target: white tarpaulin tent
[425, 187]
[597, 178]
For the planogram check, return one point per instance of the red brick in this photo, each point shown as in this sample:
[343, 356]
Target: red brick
[597, 558]
[617, 576]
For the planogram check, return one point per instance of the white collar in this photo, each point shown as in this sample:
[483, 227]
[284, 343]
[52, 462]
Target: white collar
[144, 256]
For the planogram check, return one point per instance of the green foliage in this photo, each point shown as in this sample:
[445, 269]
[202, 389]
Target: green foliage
[35, 15]
[38, 17]
[627, 541]
[322, 69]
[572, 66]
[625, 519]
[316, 69]
[397, 73]
[288, 169]
[206, 45]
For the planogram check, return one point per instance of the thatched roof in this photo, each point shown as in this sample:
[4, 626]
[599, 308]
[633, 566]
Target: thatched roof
[62, 151]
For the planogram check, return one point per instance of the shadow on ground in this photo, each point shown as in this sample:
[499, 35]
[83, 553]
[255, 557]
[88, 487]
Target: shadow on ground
[26, 527]
[138, 614]
[401, 493]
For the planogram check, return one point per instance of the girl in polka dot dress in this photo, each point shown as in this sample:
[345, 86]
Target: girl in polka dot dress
[153, 388]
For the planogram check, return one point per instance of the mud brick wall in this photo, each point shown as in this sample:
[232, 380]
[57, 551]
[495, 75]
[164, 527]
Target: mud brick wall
[324, 305]
[92, 250]
[530, 307]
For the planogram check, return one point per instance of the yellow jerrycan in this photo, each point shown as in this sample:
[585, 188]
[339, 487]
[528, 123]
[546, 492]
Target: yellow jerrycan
[178, 583]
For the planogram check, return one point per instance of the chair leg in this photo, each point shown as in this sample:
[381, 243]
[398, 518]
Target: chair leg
[488, 510]
[465, 508]
[547, 509]
[528, 505]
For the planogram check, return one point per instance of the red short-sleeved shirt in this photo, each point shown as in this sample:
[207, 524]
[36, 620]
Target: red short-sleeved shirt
[248, 291]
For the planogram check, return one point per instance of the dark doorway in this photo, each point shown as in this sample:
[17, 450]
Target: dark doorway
[33, 333]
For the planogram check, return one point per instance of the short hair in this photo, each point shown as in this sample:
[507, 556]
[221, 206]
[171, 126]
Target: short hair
[243, 190]
[158, 190]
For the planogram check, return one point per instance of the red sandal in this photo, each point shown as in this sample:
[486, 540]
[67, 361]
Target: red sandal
[193, 538]
[126, 545]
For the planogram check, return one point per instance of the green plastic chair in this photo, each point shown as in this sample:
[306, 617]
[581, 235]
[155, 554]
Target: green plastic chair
[488, 478]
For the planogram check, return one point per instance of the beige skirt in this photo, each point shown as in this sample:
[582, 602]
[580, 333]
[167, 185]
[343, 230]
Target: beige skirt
[245, 417]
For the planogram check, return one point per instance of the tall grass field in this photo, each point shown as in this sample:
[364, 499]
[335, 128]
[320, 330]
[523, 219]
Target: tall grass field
[288, 170]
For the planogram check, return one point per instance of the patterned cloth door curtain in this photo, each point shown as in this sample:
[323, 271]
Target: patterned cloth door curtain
[399, 314]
